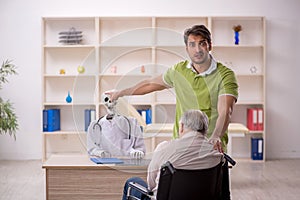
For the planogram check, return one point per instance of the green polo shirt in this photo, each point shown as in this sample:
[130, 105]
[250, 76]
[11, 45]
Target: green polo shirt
[200, 91]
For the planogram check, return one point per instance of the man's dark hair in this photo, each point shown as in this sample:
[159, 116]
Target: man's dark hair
[198, 30]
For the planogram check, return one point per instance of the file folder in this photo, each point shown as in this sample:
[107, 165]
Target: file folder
[260, 119]
[107, 160]
[252, 118]
[255, 119]
[89, 116]
[146, 115]
[51, 120]
[257, 148]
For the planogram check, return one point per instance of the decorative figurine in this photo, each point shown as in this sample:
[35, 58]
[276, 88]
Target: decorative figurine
[113, 69]
[143, 69]
[253, 70]
[80, 69]
[69, 98]
[237, 29]
[62, 71]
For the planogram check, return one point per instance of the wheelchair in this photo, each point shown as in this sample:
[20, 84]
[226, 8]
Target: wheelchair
[183, 184]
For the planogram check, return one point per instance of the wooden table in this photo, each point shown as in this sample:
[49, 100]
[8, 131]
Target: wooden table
[235, 130]
[76, 177]
[159, 128]
[165, 131]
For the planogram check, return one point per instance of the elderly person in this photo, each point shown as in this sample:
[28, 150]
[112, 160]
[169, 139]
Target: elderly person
[192, 150]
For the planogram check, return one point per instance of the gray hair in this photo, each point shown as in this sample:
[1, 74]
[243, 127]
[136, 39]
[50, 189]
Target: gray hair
[195, 120]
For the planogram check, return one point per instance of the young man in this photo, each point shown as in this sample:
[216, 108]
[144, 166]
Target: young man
[191, 151]
[201, 83]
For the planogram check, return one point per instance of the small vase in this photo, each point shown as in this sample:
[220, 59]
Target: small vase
[143, 69]
[236, 38]
[69, 98]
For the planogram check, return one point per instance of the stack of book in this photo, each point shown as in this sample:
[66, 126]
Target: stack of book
[70, 37]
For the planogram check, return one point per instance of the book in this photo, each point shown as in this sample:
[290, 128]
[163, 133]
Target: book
[51, 120]
[107, 160]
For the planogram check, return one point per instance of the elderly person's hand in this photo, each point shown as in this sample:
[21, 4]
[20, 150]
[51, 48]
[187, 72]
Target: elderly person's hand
[216, 141]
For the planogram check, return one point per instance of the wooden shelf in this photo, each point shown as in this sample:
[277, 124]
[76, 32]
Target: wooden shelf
[69, 46]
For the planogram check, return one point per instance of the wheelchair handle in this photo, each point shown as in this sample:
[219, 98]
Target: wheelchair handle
[229, 159]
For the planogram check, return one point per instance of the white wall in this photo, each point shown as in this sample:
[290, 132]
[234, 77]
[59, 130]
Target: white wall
[20, 40]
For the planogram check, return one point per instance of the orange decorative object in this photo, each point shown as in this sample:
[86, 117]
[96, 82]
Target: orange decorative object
[62, 71]
[143, 69]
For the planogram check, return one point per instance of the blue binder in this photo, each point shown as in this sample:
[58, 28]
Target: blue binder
[107, 160]
[89, 115]
[87, 119]
[51, 120]
[257, 148]
[147, 114]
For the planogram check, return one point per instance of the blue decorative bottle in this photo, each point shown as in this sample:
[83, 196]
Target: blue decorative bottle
[69, 98]
[236, 37]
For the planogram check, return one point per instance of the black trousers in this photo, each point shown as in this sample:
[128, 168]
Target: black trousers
[225, 183]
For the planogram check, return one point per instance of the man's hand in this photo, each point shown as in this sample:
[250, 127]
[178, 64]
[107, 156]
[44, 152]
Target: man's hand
[113, 94]
[216, 141]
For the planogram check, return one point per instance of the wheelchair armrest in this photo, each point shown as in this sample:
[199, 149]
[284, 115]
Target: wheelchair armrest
[140, 188]
[170, 167]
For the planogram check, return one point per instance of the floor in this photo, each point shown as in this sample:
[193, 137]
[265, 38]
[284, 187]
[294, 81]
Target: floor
[277, 179]
[22, 180]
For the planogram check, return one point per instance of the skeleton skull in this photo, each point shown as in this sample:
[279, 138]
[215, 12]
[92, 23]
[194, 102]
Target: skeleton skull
[110, 105]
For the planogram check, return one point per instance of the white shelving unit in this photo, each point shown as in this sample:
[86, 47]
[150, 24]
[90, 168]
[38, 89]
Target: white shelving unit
[248, 60]
[113, 51]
